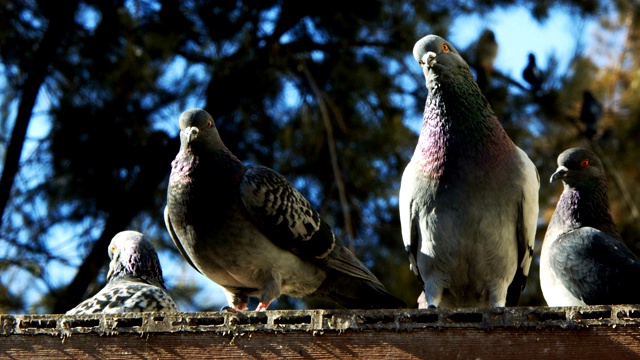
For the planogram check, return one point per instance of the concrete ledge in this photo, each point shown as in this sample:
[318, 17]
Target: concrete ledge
[489, 333]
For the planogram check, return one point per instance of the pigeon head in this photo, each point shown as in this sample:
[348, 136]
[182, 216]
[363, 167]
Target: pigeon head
[437, 56]
[133, 255]
[198, 128]
[578, 168]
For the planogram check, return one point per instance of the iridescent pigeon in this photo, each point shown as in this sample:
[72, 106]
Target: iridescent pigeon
[247, 229]
[469, 196]
[584, 260]
[134, 280]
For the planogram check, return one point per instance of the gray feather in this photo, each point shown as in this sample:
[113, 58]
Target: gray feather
[134, 280]
[584, 260]
[469, 196]
[248, 230]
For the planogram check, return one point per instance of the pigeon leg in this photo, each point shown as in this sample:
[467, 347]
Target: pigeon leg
[237, 302]
[263, 306]
[270, 291]
[498, 296]
[432, 295]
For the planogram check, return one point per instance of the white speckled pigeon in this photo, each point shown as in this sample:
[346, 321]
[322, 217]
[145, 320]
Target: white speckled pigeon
[469, 196]
[532, 74]
[584, 261]
[247, 229]
[134, 280]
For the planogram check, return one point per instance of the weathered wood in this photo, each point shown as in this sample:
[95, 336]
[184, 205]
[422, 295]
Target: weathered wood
[546, 333]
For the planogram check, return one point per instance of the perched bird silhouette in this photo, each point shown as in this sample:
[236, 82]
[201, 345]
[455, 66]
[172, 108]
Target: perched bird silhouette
[485, 51]
[469, 195]
[590, 114]
[584, 260]
[533, 75]
[247, 229]
[134, 280]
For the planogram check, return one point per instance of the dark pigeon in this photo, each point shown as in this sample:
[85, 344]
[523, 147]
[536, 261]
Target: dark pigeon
[583, 260]
[134, 280]
[469, 195]
[248, 230]
[590, 114]
[533, 75]
[485, 53]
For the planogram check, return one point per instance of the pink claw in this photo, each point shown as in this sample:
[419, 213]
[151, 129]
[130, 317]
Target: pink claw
[262, 306]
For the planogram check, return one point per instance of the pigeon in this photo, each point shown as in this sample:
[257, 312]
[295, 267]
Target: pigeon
[246, 228]
[532, 74]
[134, 280]
[485, 51]
[584, 261]
[590, 114]
[468, 198]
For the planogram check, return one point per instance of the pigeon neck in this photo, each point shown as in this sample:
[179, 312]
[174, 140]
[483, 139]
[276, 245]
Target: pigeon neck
[138, 265]
[459, 125]
[585, 208]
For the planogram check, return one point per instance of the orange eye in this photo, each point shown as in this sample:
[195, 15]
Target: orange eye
[209, 124]
[445, 48]
[584, 163]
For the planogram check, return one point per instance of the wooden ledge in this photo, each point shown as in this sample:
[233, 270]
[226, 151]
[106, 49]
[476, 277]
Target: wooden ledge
[488, 333]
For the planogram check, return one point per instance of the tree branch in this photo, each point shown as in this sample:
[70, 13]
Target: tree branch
[331, 143]
[59, 24]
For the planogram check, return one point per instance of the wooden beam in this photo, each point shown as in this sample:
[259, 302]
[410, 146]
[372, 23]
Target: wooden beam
[494, 333]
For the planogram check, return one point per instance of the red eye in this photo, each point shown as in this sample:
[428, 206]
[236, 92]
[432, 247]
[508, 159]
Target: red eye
[445, 48]
[584, 163]
[209, 124]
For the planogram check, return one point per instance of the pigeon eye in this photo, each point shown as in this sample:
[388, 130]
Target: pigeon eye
[584, 163]
[209, 124]
[421, 63]
[445, 48]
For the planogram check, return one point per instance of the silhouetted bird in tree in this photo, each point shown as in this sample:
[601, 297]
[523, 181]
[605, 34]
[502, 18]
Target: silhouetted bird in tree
[590, 114]
[532, 75]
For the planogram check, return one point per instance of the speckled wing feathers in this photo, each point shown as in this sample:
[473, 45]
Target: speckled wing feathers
[282, 213]
[127, 295]
[134, 280]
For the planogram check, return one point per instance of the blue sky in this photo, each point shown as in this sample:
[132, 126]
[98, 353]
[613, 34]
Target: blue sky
[518, 33]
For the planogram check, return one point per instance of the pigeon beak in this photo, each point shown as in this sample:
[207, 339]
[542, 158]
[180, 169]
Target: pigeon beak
[110, 273]
[560, 173]
[192, 133]
[429, 58]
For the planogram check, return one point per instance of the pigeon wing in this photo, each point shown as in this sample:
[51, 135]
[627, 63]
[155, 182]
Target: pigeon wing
[525, 228]
[595, 267]
[283, 214]
[174, 237]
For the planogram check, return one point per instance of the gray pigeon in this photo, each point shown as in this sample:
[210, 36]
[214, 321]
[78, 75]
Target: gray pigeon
[469, 196]
[134, 280]
[248, 230]
[584, 261]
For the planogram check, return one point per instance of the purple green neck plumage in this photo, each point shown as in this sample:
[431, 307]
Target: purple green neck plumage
[453, 130]
[585, 208]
